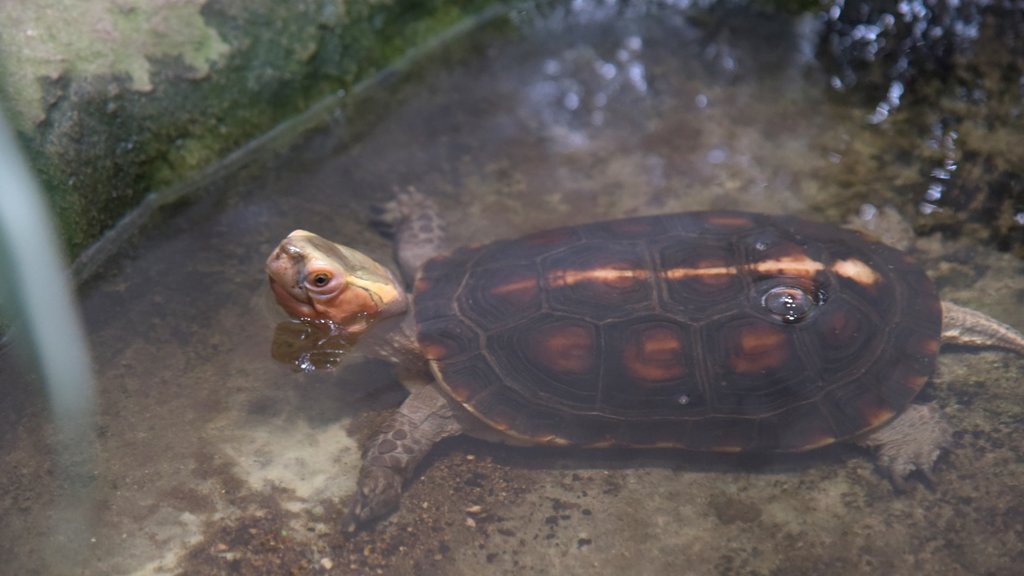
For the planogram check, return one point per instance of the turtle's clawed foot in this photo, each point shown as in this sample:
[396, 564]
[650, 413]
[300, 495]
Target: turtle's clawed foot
[392, 454]
[379, 492]
[415, 223]
[406, 206]
[911, 442]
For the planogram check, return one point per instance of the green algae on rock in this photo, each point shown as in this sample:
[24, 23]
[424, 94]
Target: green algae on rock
[142, 96]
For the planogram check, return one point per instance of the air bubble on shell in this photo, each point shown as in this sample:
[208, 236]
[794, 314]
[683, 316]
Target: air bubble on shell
[790, 304]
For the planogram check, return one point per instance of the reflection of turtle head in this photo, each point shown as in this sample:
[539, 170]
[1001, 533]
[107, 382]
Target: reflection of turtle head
[316, 279]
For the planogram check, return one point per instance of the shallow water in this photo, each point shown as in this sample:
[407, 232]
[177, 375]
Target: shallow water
[216, 458]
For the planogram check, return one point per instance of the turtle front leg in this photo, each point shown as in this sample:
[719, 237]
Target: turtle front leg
[416, 224]
[911, 441]
[391, 456]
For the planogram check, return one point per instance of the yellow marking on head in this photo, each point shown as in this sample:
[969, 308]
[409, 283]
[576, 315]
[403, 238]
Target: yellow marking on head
[382, 293]
[857, 271]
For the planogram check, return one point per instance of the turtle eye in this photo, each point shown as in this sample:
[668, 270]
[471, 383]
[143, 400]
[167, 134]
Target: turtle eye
[791, 304]
[318, 279]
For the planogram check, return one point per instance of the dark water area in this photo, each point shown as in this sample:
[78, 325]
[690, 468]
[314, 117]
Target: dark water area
[215, 458]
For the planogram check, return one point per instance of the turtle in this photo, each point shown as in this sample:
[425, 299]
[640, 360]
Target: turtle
[720, 331]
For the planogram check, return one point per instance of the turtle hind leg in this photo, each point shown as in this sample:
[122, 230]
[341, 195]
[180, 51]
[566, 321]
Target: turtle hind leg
[415, 223]
[391, 455]
[967, 327]
[912, 441]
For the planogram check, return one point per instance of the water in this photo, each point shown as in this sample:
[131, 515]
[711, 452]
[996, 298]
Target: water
[216, 458]
[29, 242]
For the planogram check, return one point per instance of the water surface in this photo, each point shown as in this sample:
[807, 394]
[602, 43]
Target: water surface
[215, 458]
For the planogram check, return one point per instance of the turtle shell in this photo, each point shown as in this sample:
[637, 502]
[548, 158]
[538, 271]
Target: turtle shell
[720, 331]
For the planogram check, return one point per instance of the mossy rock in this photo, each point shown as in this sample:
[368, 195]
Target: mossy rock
[144, 95]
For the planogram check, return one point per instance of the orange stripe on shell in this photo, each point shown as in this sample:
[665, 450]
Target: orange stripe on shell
[790, 266]
[857, 271]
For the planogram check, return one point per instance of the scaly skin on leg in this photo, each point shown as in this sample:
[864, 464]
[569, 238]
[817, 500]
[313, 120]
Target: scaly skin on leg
[418, 229]
[967, 327]
[426, 417]
[391, 456]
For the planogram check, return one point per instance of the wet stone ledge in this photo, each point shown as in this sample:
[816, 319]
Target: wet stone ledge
[113, 99]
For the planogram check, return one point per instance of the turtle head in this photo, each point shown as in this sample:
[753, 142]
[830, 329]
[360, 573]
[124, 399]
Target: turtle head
[316, 279]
